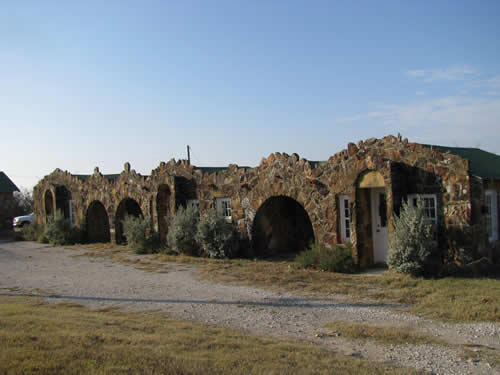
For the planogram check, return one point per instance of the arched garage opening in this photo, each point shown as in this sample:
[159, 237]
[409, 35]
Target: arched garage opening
[126, 207]
[162, 210]
[49, 205]
[97, 223]
[281, 226]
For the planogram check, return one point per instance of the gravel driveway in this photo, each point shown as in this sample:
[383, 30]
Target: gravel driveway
[62, 275]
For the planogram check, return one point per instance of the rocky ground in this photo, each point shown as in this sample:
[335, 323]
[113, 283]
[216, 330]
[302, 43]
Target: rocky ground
[64, 275]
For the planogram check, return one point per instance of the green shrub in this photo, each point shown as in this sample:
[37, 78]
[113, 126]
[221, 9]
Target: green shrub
[33, 232]
[135, 230]
[181, 237]
[59, 231]
[411, 243]
[337, 259]
[217, 237]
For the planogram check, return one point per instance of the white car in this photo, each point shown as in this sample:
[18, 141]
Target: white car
[22, 221]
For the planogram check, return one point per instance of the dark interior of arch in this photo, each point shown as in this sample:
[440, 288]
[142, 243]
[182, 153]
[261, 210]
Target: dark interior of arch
[162, 210]
[49, 204]
[97, 223]
[126, 207]
[281, 226]
[63, 196]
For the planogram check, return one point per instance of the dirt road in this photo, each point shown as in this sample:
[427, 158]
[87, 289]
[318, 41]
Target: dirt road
[65, 275]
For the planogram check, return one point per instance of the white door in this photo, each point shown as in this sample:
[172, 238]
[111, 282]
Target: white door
[379, 225]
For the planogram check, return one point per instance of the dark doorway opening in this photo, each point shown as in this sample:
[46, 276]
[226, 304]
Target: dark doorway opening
[281, 226]
[97, 223]
[49, 205]
[163, 211]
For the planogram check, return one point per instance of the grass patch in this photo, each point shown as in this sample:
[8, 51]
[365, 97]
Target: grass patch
[384, 335]
[67, 338]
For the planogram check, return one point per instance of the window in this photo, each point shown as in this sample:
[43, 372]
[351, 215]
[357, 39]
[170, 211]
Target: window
[71, 212]
[429, 205]
[492, 215]
[345, 218]
[224, 207]
[193, 202]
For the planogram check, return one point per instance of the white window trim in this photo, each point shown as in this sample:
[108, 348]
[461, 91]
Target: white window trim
[492, 215]
[224, 208]
[412, 197]
[345, 218]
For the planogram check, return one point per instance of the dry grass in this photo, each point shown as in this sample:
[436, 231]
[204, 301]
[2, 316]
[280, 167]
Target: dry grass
[449, 299]
[384, 335]
[67, 338]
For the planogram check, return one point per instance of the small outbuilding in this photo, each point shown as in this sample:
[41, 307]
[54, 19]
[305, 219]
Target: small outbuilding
[8, 203]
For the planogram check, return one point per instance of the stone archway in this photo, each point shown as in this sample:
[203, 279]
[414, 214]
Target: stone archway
[163, 211]
[371, 218]
[281, 226]
[49, 205]
[127, 206]
[97, 223]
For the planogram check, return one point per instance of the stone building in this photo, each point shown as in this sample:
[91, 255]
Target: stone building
[7, 202]
[287, 201]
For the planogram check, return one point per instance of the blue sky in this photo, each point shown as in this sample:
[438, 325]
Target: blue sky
[98, 83]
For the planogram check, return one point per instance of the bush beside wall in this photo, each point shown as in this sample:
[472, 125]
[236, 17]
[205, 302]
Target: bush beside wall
[336, 259]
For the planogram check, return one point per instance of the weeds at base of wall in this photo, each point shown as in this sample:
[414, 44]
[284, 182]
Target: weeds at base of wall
[411, 243]
[216, 237]
[33, 232]
[135, 230]
[60, 232]
[182, 231]
[337, 259]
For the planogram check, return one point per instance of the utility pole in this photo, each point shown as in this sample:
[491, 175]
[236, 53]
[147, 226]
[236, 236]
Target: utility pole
[189, 156]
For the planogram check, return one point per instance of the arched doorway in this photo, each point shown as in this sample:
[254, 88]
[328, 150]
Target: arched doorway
[163, 210]
[63, 202]
[126, 207]
[371, 218]
[49, 205]
[281, 226]
[97, 223]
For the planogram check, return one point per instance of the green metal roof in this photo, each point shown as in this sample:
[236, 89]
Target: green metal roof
[483, 164]
[6, 185]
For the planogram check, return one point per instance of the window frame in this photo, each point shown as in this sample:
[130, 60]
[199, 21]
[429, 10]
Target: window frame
[411, 202]
[224, 208]
[345, 221]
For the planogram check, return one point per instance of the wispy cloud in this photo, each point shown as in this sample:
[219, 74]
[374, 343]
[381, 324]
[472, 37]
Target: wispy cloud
[451, 73]
[491, 86]
[453, 121]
